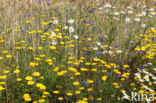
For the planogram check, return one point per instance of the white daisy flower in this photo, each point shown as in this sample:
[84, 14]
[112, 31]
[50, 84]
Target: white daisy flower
[116, 18]
[107, 5]
[154, 78]
[110, 52]
[146, 77]
[76, 36]
[65, 27]
[100, 8]
[137, 19]
[71, 21]
[143, 13]
[105, 36]
[122, 12]
[71, 29]
[143, 25]
[144, 7]
[149, 63]
[152, 13]
[53, 33]
[127, 20]
[118, 51]
[54, 42]
[129, 7]
[55, 22]
[130, 11]
[151, 9]
[98, 43]
[104, 52]
[95, 48]
[116, 13]
[139, 15]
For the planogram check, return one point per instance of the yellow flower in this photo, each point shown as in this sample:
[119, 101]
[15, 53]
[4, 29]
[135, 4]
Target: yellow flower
[43, 55]
[71, 58]
[104, 71]
[61, 73]
[3, 77]
[104, 78]
[8, 56]
[93, 69]
[28, 21]
[56, 69]
[71, 77]
[69, 94]
[150, 83]
[143, 48]
[30, 82]
[46, 93]
[77, 73]
[118, 99]
[32, 64]
[52, 47]
[41, 77]
[27, 97]
[50, 63]
[28, 78]
[90, 81]
[38, 59]
[2, 82]
[72, 69]
[77, 92]
[6, 71]
[85, 99]
[1, 57]
[84, 69]
[56, 92]
[4, 52]
[88, 63]
[36, 74]
[41, 100]
[49, 60]
[57, 30]
[18, 79]
[89, 89]
[42, 87]
[115, 84]
[1, 88]
[16, 71]
[76, 63]
[81, 88]
[107, 66]
[60, 98]
[40, 47]
[34, 101]
[62, 42]
[18, 48]
[126, 66]
[99, 99]
[76, 83]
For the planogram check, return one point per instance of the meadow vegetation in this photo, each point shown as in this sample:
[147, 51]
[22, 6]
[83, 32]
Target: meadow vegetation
[77, 51]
